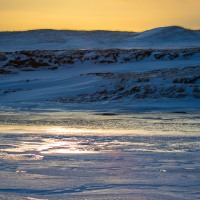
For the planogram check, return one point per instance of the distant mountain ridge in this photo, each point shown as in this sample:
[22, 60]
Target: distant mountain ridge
[47, 39]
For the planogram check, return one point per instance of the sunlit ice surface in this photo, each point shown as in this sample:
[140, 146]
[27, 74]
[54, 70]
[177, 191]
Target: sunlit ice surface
[85, 155]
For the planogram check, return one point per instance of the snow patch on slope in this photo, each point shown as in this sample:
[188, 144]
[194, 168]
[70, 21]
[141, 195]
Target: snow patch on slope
[91, 79]
[164, 37]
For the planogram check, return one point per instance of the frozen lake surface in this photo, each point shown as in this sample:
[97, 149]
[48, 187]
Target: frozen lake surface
[93, 155]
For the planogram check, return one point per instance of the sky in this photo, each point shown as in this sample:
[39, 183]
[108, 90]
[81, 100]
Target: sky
[121, 15]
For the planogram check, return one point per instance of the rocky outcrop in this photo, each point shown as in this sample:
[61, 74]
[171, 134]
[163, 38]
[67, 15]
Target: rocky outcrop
[43, 58]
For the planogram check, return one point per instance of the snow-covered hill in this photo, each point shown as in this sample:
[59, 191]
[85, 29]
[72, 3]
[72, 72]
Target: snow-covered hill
[165, 37]
[113, 78]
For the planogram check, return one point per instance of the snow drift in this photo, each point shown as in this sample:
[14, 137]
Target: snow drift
[118, 77]
[165, 37]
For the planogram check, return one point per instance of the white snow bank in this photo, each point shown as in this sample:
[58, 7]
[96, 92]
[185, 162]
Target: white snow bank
[164, 37]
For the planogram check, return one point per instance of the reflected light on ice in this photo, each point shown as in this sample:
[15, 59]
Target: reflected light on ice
[80, 131]
[58, 130]
[65, 147]
[53, 146]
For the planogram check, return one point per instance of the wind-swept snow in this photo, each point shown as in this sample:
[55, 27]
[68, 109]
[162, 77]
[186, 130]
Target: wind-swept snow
[164, 37]
[156, 69]
[134, 79]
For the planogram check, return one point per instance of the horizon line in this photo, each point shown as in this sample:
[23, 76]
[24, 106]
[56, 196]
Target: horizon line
[93, 30]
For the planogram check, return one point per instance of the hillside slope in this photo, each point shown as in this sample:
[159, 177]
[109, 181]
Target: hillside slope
[164, 37]
[91, 79]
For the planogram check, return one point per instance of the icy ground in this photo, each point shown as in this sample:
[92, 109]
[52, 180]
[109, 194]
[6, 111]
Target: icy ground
[95, 155]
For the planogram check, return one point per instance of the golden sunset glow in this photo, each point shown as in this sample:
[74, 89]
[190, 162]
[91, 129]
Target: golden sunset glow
[128, 15]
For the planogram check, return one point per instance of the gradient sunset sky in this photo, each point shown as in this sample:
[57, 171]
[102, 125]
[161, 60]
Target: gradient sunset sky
[123, 15]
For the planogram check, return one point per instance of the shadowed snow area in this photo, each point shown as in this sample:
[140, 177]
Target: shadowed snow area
[165, 37]
[131, 79]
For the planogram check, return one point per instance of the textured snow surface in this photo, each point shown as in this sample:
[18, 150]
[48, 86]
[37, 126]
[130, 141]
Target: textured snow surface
[165, 37]
[91, 79]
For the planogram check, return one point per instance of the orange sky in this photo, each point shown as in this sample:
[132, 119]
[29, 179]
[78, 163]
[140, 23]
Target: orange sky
[128, 15]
